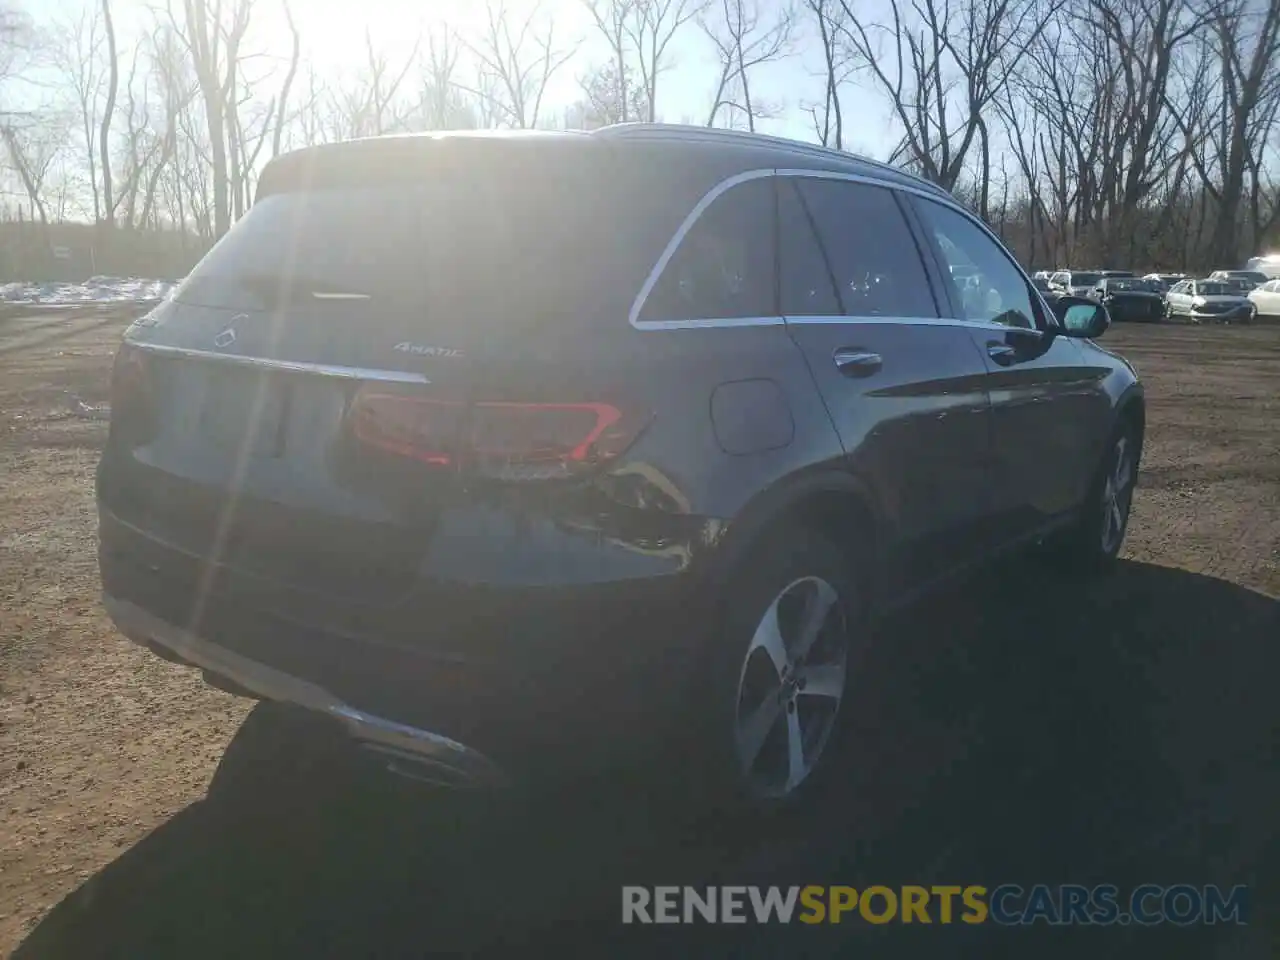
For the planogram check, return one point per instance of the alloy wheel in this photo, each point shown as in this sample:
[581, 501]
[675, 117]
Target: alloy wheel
[790, 687]
[1117, 496]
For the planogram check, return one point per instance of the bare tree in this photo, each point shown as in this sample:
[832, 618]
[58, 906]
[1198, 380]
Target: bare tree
[1246, 45]
[828, 19]
[77, 55]
[744, 38]
[213, 35]
[33, 146]
[516, 62]
[941, 78]
[639, 33]
[605, 100]
[104, 136]
[282, 106]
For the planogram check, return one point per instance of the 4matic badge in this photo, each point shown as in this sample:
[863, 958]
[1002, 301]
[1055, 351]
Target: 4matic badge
[421, 350]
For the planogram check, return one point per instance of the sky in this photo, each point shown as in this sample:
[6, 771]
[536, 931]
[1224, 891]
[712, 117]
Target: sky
[333, 32]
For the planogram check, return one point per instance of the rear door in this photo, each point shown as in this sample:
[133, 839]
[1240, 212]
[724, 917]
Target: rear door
[1049, 407]
[903, 387]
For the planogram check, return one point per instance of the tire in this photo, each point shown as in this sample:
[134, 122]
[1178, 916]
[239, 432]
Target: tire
[753, 713]
[1092, 545]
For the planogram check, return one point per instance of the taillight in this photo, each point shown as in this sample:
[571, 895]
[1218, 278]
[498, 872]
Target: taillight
[545, 441]
[130, 382]
[500, 440]
[414, 427]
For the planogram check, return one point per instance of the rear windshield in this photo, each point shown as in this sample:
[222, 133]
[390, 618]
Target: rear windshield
[493, 245]
[1084, 279]
[1125, 283]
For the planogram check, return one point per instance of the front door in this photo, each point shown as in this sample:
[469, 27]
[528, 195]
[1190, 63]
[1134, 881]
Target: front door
[1048, 404]
[903, 388]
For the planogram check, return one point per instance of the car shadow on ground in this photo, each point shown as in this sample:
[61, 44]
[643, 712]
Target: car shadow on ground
[1029, 731]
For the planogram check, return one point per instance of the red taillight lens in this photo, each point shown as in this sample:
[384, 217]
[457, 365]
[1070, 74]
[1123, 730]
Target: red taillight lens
[130, 381]
[536, 441]
[414, 427]
[496, 439]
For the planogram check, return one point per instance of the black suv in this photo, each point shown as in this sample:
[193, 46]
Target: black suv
[500, 448]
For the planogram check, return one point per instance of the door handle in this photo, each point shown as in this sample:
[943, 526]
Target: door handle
[853, 362]
[1002, 353]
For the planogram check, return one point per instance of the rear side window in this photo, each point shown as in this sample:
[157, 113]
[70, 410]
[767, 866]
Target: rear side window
[806, 285]
[724, 267]
[869, 247]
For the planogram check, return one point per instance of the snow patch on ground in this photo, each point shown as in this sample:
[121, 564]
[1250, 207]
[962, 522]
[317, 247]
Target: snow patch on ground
[93, 290]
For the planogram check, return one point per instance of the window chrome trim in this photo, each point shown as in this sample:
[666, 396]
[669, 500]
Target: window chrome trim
[669, 251]
[821, 319]
[911, 322]
[724, 186]
[289, 366]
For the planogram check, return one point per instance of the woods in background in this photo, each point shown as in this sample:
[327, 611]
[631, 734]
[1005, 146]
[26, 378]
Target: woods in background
[1086, 132]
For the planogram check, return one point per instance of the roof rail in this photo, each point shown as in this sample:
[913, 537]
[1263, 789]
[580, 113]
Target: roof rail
[683, 131]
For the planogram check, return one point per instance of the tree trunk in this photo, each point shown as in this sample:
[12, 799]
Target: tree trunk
[104, 136]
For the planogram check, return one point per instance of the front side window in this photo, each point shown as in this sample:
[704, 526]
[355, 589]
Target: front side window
[872, 256]
[724, 266]
[993, 289]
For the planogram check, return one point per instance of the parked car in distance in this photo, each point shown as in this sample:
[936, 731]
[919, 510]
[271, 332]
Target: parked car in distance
[1250, 277]
[1115, 273]
[1239, 284]
[652, 487]
[1208, 300]
[1129, 298]
[1076, 283]
[1266, 299]
[1164, 281]
[1049, 294]
[1268, 265]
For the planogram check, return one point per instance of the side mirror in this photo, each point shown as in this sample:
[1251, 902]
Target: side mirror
[1082, 318]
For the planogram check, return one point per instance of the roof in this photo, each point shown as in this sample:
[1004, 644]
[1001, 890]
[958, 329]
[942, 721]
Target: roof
[783, 149]
[734, 147]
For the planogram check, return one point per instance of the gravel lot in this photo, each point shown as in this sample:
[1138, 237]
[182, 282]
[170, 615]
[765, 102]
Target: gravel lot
[1126, 732]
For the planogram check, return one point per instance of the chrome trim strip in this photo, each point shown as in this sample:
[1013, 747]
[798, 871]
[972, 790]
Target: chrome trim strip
[138, 625]
[291, 366]
[913, 321]
[637, 306]
[703, 324]
[710, 323]
[669, 251]
[341, 296]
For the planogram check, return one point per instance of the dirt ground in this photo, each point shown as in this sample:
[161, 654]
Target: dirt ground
[101, 743]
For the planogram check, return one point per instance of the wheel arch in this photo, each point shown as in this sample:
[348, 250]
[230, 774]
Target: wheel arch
[1131, 410]
[832, 503]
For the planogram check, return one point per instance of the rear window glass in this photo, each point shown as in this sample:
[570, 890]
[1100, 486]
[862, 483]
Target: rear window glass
[499, 243]
[1212, 289]
[1117, 284]
[1084, 279]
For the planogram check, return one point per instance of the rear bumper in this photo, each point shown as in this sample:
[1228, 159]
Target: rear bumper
[432, 752]
[1237, 313]
[467, 679]
[1135, 310]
